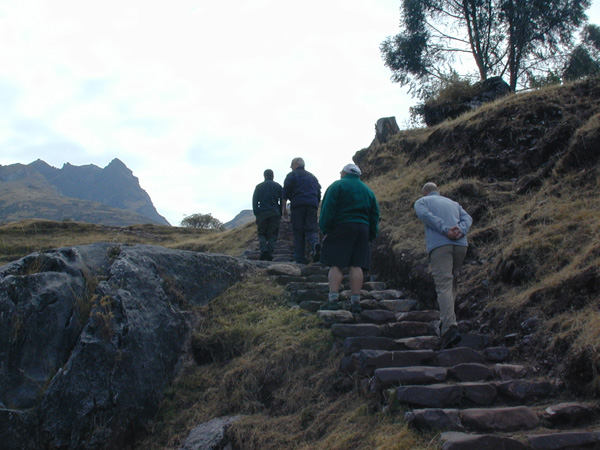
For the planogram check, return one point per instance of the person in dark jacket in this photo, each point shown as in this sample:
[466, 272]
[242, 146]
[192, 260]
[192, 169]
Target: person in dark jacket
[349, 221]
[303, 191]
[266, 205]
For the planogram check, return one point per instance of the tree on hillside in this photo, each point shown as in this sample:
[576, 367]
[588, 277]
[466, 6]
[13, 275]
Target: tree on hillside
[202, 221]
[501, 37]
[585, 59]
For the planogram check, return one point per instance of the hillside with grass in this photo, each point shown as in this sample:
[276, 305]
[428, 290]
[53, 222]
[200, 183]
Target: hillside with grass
[525, 167]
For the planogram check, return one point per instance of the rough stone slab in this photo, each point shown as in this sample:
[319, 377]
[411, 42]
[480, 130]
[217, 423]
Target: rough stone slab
[418, 316]
[317, 278]
[496, 354]
[355, 330]
[569, 413]
[310, 305]
[563, 441]
[378, 316]
[480, 394]
[510, 371]
[459, 355]
[291, 270]
[390, 376]
[434, 419]
[356, 344]
[418, 343]
[374, 286]
[453, 440]
[210, 435]
[369, 303]
[284, 280]
[349, 363]
[314, 269]
[474, 341]
[300, 286]
[499, 419]
[432, 396]
[407, 329]
[472, 372]
[308, 295]
[377, 359]
[346, 294]
[331, 317]
[387, 294]
[399, 305]
[525, 389]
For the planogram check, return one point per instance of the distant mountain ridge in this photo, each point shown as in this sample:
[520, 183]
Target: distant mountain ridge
[109, 196]
[241, 219]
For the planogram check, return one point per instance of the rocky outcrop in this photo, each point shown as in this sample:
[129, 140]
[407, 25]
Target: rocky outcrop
[435, 111]
[91, 336]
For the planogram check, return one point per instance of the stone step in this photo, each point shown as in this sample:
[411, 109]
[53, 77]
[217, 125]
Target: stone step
[399, 305]
[378, 316]
[395, 330]
[366, 362]
[415, 375]
[444, 395]
[374, 286]
[505, 419]
[564, 441]
[302, 295]
[452, 440]
[462, 373]
[356, 344]
[418, 316]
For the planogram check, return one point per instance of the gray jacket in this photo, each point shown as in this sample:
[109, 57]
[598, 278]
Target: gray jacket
[439, 214]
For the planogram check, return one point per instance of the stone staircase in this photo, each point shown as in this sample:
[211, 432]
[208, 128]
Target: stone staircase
[474, 395]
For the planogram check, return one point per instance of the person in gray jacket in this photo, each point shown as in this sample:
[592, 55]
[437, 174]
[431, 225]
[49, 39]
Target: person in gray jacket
[446, 228]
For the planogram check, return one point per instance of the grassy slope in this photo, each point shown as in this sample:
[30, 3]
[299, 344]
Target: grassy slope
[527, 169]
[18, 239]
[255, 356]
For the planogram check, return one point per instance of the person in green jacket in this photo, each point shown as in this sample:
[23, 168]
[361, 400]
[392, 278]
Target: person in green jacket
[349, 221]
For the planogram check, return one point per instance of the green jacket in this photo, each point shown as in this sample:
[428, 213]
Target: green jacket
[349, 200]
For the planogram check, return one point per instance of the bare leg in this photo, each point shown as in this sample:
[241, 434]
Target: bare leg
[356, 280]
[335, 279]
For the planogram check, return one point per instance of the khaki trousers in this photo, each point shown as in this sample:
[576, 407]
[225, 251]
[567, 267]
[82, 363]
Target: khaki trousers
[445, 263]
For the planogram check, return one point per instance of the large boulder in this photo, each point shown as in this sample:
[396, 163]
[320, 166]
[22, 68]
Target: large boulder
[91, 336]
[436, 111]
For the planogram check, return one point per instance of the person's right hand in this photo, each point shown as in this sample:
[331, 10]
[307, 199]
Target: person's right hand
[454, 233]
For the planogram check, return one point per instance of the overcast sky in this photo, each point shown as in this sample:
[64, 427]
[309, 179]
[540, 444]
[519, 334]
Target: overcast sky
[197, 97]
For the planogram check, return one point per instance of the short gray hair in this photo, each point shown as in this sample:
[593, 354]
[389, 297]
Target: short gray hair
[428, 188]
[298, 161]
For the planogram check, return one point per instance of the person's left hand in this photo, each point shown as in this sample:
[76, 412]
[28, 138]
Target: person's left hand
[454, 233]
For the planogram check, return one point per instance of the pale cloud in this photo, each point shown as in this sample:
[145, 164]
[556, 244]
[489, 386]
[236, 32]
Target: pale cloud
[196, 97]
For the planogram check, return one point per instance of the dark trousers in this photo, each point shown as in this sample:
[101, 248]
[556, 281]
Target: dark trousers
[304, 226]
[268, 231]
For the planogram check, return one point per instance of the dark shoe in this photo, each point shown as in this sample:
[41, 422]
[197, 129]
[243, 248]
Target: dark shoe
[317, 255]
[330, 306]
[355, 308]
[450, 338]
